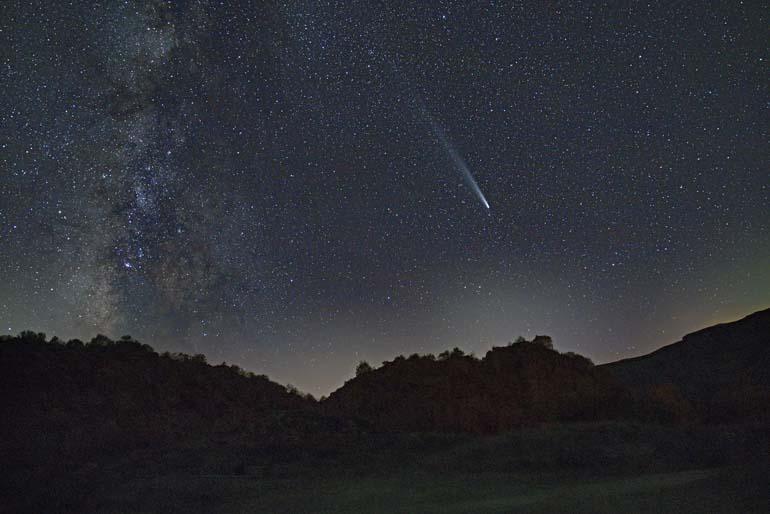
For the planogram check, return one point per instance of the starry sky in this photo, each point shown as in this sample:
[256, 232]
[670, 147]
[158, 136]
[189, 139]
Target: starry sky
[289, 185]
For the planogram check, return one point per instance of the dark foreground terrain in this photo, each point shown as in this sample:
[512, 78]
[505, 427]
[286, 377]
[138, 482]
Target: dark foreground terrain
[114, 427]
[580, 468]
[604, 467]
[740, 490]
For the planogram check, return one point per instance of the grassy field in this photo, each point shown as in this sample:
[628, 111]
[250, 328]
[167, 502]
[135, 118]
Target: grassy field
[596, 468]
[732, 489]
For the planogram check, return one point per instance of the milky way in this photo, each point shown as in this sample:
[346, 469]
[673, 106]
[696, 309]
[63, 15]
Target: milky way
[252, 180]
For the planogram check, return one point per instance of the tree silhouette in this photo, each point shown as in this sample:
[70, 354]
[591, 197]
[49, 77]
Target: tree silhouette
[544, 341]
[363, 367]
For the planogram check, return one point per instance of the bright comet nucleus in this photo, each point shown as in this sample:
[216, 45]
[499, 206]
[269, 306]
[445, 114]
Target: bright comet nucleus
[458, 161]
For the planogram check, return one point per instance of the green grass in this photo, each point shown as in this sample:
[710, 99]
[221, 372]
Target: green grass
[596, 468]
[733, 489]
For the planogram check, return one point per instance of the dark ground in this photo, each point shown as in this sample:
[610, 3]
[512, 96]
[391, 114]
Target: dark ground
[742, 489]
[604, 467]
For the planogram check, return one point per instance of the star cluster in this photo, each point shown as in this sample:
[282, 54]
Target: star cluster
[261, 181]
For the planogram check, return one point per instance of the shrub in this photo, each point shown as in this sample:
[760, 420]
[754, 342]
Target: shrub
[363, 367]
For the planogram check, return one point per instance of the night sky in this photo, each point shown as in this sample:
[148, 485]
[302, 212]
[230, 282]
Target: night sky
[297, 186]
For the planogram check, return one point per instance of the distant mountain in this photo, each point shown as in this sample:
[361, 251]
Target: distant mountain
[521, 384]
[723, 370]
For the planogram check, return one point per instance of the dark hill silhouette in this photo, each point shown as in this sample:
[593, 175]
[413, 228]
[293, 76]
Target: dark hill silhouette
[74, 405]
[74, 414]
[125, 388]
[521, 384]
[723, 370]
[123, 394]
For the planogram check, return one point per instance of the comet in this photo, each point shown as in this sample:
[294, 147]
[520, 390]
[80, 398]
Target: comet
[458, 161]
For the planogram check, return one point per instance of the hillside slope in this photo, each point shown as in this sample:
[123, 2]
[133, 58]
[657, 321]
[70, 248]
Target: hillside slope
[724, 370]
